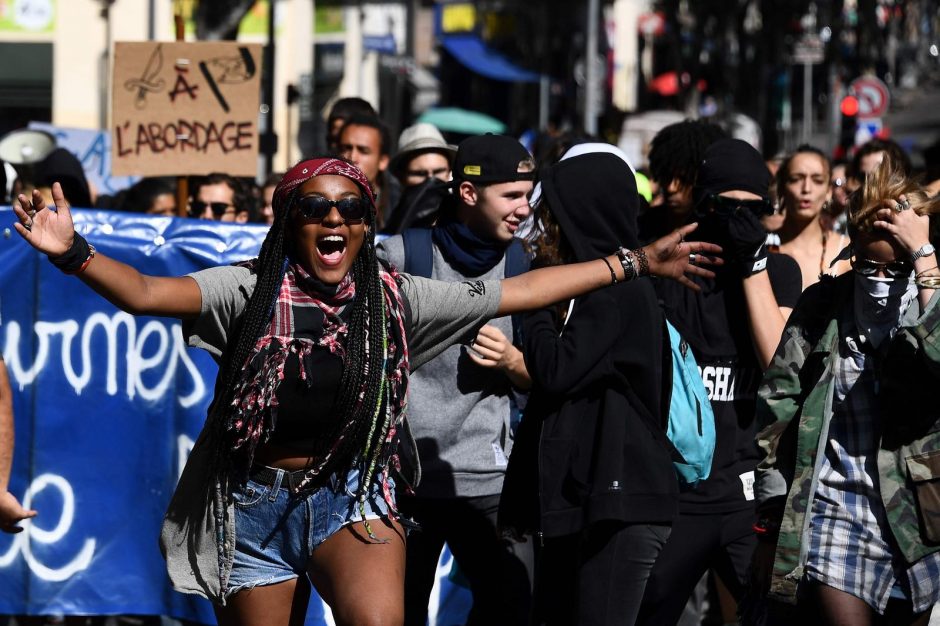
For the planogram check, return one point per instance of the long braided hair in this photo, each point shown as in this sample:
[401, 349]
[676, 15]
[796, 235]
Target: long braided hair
[359, 400]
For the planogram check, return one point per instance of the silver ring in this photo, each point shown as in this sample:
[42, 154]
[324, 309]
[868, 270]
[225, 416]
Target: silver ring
[29, 225]
[692, 259]
[898, 207]
[905, 204]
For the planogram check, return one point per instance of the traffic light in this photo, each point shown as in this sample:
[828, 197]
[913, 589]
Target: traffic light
[849, 109]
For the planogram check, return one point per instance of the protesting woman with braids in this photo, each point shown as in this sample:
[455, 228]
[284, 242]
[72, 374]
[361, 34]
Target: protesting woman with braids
[295, 472]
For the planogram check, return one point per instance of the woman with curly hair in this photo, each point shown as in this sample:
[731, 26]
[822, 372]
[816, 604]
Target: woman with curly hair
[299, 457]
[847, 491]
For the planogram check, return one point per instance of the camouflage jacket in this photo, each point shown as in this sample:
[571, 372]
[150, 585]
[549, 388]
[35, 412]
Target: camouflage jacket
[794, 409]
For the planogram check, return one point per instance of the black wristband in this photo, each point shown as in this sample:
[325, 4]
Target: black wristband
[756, 264]
[76, 257]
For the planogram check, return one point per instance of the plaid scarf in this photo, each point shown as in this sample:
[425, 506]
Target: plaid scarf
[254, 405]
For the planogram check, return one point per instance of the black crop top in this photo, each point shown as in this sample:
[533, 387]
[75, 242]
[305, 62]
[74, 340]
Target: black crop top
[305, 407]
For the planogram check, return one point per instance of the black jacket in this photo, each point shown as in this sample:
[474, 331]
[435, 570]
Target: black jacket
[586, 450]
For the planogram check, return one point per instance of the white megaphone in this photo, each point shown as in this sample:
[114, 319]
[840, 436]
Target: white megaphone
[26, 146]
[22, 149]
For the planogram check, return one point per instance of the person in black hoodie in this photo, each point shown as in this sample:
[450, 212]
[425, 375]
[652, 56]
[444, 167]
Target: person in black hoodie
[607, 491]
[733, 325]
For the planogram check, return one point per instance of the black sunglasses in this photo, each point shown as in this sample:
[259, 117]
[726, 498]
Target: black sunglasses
[725, 207]
[316, 208]
[218, 208]
[894, 269]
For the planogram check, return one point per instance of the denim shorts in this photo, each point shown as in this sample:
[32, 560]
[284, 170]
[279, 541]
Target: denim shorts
[276, 531]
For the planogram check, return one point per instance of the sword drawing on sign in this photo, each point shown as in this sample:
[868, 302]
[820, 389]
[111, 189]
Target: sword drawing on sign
[149, 81]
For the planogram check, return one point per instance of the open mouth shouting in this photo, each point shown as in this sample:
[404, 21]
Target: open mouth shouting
[331, 249]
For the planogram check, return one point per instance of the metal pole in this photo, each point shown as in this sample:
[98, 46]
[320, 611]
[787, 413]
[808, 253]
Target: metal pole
[104, 65]
[591, 82]
[807, 102]
[182, 182]
[545, 84]
[267, 117]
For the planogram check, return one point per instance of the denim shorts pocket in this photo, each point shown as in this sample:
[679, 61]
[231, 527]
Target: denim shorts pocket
[249, 494]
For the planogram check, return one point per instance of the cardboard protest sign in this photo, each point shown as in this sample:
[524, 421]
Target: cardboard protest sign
[181, 108]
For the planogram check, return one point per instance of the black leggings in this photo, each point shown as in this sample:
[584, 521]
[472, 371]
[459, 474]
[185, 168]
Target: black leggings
[723, 542]
[596, 577]
[498, 570]
[826, 605]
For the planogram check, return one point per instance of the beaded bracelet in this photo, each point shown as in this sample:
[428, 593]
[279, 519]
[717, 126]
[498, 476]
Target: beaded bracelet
[613, 276]
[76, 258]
[644, 262]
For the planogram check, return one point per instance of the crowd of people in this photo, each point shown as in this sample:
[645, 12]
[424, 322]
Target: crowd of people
[462, 345]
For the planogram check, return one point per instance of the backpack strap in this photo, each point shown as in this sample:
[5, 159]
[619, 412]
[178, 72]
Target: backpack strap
[419, 253]
[517, 262]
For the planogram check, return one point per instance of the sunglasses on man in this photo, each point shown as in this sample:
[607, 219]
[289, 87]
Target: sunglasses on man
[724, 206]
[198, 208]
[316, 208]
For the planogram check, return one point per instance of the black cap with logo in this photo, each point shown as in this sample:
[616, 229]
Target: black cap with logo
[492, 159]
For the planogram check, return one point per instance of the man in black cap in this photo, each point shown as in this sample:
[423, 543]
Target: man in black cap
[461, 404]
[733, 326]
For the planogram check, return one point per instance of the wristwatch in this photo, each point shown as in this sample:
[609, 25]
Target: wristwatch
[924, 250]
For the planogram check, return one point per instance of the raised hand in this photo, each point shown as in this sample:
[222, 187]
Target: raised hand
[48, 230]
[12, 513]
[909, 229]
[674, 257]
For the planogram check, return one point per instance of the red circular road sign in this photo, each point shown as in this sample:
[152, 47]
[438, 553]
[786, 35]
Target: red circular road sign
[873, 96]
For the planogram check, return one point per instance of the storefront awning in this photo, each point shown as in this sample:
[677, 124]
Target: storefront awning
[474, 54]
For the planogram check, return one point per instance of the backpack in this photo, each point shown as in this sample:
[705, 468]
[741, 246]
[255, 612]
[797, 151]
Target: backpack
[691, 425]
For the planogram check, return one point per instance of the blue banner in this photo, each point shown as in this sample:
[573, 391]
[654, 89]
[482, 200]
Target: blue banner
[107, 407]
[93, 149]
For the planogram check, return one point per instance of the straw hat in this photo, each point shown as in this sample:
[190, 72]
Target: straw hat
[417, 139]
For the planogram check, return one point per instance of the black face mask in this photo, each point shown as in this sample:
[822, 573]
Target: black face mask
[712, 227]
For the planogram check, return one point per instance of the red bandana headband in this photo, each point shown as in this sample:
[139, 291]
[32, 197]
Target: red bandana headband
[305, 170]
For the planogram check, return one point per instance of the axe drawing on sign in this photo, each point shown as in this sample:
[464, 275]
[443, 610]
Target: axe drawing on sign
[149, 82]
[228, 71]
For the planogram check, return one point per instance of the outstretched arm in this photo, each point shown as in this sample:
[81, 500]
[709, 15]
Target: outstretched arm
[50, 230]
[669, 257]
[11, 512]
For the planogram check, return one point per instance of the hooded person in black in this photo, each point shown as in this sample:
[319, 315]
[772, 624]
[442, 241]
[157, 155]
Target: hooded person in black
[733, 326]
[607, 491]
[64, 167]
